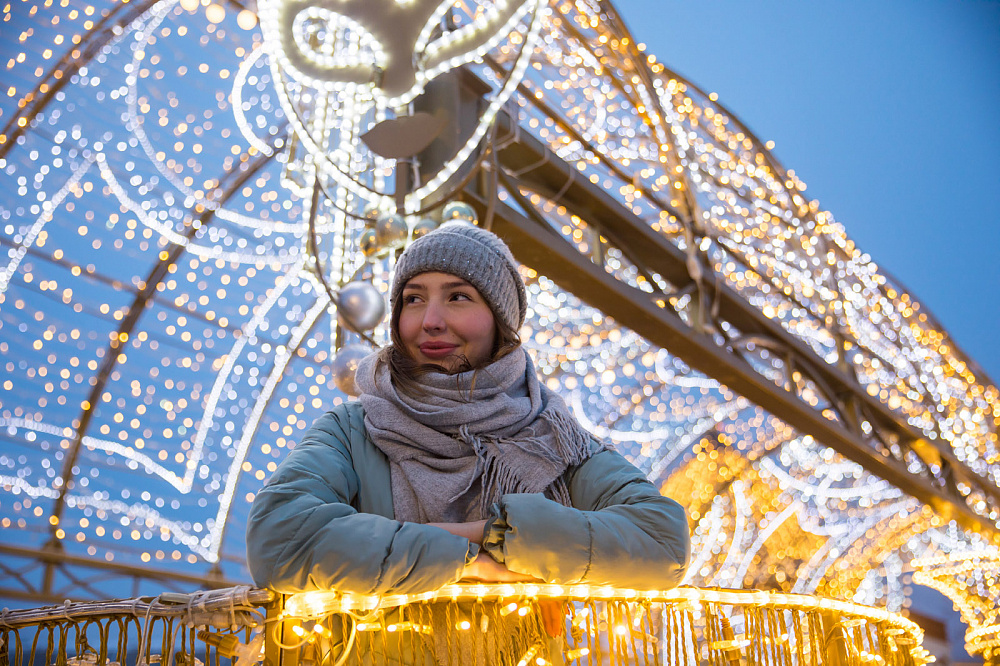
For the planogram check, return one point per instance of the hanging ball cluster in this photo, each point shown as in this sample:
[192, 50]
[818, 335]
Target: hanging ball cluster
[368, 243]
[423, 226]
[360, 306]
[386, 232]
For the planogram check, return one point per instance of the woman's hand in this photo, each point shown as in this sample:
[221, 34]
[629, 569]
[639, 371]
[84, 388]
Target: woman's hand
[472, 531]
[487, 570]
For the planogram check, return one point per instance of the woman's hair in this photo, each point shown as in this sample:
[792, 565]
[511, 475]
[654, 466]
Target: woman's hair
[405, 372]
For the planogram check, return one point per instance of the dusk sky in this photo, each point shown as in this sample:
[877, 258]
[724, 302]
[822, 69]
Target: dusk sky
[889, 112]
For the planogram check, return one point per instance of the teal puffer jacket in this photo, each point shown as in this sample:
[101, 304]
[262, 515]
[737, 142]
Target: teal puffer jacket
[325, 521]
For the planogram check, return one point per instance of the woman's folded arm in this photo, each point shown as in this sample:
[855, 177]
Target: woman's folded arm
[620, 530]
[303, 532]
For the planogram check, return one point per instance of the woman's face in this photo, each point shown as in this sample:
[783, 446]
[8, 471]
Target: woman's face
[444, 320]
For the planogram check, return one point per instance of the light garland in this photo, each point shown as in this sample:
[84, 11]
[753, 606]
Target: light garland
[684, 625]
[312, 604]
[250, 430]
[80, 241]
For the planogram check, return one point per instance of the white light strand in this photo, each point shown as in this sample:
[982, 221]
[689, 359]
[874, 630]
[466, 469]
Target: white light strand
[253, 420]
[48, 210]
[826, 556]
[413, 200]
[248, 333]
[701, 548]
[237, 96]
[762, 536]
[167, 231]
[740, 529]
[725, 412]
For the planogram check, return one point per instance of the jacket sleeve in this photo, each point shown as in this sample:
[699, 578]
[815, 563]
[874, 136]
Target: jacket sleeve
[303, 532]
[620, 531]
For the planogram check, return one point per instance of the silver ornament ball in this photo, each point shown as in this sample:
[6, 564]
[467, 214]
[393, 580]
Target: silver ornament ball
[391, 231]
[371, 215]
[345, 365]
[423, 227]
[361, 306]
[458, 210]
[368, 243]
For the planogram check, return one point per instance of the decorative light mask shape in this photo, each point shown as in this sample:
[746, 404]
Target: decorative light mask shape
[385, 49]
[343, 66]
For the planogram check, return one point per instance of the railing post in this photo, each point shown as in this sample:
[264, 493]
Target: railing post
[275, 628]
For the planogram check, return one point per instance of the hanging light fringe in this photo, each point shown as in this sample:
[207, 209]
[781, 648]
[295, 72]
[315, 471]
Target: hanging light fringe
[467, 624]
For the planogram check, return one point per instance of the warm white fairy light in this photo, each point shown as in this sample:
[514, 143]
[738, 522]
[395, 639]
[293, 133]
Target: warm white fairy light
[214, 540]
[309, 605]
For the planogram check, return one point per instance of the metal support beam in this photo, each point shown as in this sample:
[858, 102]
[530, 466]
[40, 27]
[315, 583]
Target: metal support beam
[541, 248]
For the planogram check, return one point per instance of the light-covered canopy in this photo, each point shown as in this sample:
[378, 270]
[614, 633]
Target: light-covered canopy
[183, 199]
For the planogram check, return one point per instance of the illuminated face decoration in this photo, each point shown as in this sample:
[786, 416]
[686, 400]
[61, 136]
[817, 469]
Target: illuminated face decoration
[362, 61]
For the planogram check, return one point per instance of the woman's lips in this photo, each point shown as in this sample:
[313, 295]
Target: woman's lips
[437, 349]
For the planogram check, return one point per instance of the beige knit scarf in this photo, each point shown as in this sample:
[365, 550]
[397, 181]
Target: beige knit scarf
[454, 450]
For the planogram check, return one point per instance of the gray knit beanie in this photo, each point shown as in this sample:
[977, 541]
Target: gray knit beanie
[473, 254]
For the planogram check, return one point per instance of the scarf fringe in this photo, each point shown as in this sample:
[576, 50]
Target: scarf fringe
[572, 447]
[572, 441]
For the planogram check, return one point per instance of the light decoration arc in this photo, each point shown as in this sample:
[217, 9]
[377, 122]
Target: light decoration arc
[110, 171]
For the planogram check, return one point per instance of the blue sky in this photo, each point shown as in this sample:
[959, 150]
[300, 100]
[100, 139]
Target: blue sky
[888, 110]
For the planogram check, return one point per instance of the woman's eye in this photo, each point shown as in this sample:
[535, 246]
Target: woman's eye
[410, 298]
[459, 296]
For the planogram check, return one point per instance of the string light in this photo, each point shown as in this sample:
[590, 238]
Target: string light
[174, 103]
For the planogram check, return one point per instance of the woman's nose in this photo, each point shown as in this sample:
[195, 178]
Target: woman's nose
[433, 318]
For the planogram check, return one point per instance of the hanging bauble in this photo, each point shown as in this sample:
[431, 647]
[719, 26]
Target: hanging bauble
[423, 226]
[368, 243]
[361, 306]
[391, 231]
[371, 215]
[458, 210]
[345, 365]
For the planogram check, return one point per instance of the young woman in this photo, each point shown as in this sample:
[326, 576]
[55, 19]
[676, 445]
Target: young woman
[457, 462]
